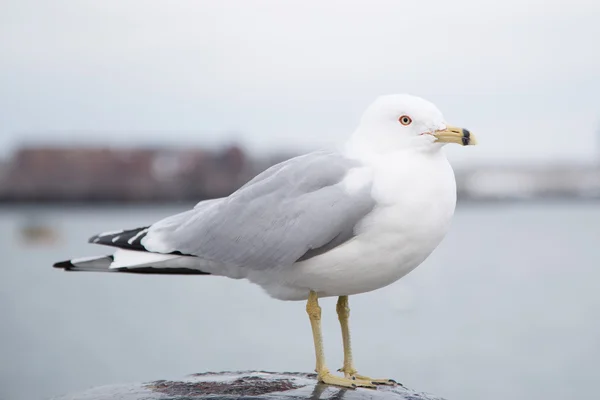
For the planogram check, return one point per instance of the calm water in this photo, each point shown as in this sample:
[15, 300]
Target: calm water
[507, 307]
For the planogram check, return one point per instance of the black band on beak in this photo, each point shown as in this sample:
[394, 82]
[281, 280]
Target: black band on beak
[466, 137]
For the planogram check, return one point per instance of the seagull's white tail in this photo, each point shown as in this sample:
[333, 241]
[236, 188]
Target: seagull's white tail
[133, 261]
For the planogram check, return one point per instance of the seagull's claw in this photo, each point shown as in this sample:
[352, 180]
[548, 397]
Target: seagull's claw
[389, 382]
[353, 375]
[351, 383]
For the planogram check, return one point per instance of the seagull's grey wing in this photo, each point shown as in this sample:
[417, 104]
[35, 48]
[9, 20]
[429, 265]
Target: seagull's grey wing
[292, 211]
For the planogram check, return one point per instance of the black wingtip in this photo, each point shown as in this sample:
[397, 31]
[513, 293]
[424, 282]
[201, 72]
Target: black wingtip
[130, 239]
[66, 265]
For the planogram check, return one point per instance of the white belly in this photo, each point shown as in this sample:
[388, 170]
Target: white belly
[412, 217]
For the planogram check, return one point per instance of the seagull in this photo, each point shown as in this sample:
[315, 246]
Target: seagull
[330, 223]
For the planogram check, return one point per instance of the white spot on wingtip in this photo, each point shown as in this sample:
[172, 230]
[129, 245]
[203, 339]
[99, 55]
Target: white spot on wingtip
[140, 233]
[114, 240]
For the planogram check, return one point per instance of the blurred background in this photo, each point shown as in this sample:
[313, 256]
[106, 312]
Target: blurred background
[114, 114]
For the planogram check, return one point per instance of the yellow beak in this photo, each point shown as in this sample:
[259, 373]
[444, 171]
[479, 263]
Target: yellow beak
[452, 134]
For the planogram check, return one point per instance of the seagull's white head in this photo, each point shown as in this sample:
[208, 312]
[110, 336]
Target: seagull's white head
[401, 121]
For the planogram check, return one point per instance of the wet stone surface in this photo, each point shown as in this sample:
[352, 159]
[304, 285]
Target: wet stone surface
[245, 386]
[248, 385]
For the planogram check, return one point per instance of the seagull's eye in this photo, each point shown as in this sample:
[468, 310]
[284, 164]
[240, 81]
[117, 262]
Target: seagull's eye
[405, 120]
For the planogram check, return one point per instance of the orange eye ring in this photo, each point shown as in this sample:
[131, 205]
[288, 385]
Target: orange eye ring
[405, 120]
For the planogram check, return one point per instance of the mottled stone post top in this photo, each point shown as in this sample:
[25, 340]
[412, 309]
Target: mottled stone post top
[253, 385]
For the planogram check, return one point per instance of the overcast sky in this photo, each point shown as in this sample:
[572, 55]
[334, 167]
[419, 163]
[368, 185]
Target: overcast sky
[523, 75]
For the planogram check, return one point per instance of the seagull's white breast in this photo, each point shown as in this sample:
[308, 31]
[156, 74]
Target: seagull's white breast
[416, 197]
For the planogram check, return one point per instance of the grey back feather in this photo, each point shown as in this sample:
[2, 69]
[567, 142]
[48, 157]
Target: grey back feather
[292, 211]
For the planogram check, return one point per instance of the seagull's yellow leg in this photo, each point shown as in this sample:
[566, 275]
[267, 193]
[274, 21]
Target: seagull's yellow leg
[314, 313]
[343, 311]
